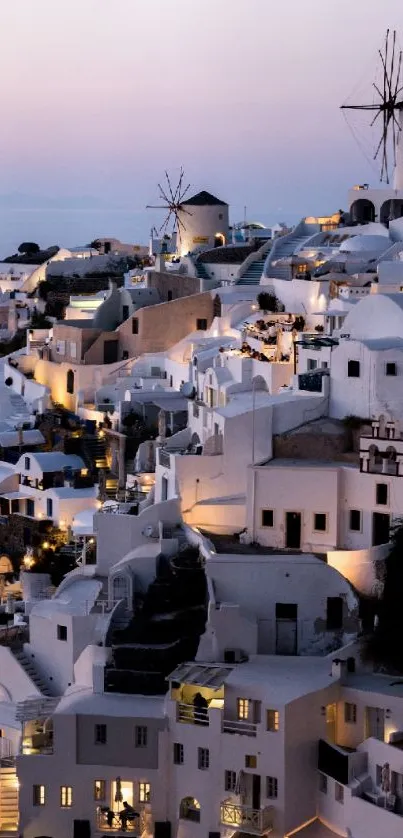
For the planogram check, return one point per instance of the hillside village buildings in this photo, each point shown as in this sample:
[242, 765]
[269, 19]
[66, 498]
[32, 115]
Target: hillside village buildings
[216, 447]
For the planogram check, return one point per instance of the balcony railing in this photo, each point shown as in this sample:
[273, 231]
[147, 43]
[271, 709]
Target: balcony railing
[243, 727]
[114, 824]
[192, 715]
[254, 821]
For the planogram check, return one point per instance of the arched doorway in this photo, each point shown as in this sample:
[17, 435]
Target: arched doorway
[70, 382]
[219, 240]
[362, 211]
[390, 210]
[189, 809]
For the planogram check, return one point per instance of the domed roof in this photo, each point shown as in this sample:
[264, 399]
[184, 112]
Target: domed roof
[357, 244]
[375, 316]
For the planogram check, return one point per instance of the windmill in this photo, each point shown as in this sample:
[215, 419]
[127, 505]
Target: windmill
[386, 110]
[171, 202]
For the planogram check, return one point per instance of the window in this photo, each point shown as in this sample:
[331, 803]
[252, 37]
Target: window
[62, 632]
[125, 313]
[201, 324]
[60, 347]
[378, 770]
[323, 783]
[38, 795]
[312, 364]
[27, 463]
[250, 761]
[230, 780]
[135, 326]
[99, 790]
[355, 520]
[144, 792]
[178, 753]
[73, 349]
[320, 522]
[391, 369]
[140, 737]
[70, 382]
[339, 793]
[267, 518]
[169, 297]
[100, 734]
[272, 720]
[271, 787]
[30, 507]
[353, 369]
[243, 708]
[203, 758]
[334, 613]
[66, 796]
[381, 494]
[49, 507]
[350, 713]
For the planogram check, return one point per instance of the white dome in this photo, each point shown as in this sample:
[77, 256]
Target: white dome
[365, 243]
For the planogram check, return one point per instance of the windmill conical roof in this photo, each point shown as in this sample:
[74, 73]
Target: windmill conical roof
[204, 199]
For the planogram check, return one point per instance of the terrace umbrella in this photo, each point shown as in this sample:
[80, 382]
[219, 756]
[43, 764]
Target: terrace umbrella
[118, 792]
[385, 780]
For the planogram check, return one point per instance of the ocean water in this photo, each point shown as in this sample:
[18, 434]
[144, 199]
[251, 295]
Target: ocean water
[70, 227]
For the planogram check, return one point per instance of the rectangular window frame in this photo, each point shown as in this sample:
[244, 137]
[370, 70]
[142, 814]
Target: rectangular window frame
[250, 761]
[350, 368]
[135, 325]
[242, 709]
[269, 514]
[100, 734]
[140, 736]
[339, 793]
[391, 368]
[200, 327]
[350, 521]
[203, 759]
[178, 753]
[99, 790]
[230, 780]
[272, 788]
[66, 797]
[62, 633]
[316, 515]
[379, 489]
[322, 783]
[272, 720]
[144, 792]
[38, 795]
[350, 713]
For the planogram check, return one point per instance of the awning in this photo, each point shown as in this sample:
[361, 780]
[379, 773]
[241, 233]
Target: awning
[201, 675]
[315, 829]
[15, 496]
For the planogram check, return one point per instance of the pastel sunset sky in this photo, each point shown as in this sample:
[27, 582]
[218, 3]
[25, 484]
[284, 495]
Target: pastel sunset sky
[100, 96]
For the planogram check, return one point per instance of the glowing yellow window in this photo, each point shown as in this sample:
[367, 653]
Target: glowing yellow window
[66, 796]
[243, 708]
[272, 720]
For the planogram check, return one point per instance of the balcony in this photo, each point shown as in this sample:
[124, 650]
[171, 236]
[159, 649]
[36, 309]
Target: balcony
[244, 728]
[189, 714]
[164, 458]
[253, 821]
[114, 824]
[38, 743]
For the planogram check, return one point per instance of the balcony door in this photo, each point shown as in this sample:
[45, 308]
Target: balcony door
[375, 723]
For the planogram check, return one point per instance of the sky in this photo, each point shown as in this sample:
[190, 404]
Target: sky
[98, 98]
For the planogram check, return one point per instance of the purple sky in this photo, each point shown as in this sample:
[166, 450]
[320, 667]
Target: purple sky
[99, 97]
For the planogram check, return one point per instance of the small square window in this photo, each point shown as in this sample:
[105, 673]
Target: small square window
[201, 324]
[271, 787]
[144, 792]
[243, 708]
[140, 736]
[391, 369]
[339, 793]
[267, 518]
[350, 713]
[353, 369]
[203, 758]
[38, 795]
[381, 494]
[250, 761]
[99, 790]
[320, 522]
[100, 734]
[178, 753]
[230, 781]
[355, 520]
[323, 783]
[62, 632]
[272, 720]
[135, 326]
[312, 364]
[66, 796]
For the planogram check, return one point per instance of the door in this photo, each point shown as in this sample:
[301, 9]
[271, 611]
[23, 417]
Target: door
[380, 528]
[375, 723]
[286, 628]
[293, 530]
[331, 715]
[111, 351]
[255, 791]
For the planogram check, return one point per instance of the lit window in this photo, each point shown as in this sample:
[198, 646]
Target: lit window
[271, 787]
[355, 520]
[141, 736]
[323, 783]
[350, 713]
[99, 790]
[243, 708]
[250, 761]
[66, 796]
[320, 522]
[267, 518]
[230, 780]
[144, 792]
[339, 793]
[272, 720]
[39, 795]
[203, 758]
[178, 753]
[100, 734]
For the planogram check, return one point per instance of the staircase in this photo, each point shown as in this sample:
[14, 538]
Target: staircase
[201, 272]
[285, 246]
[19, 411]
[8, 800]
[94, 452]
[253, 274]
[29, 667]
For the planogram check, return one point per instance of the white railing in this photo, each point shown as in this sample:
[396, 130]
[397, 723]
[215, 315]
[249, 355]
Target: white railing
[239, 726]
[6, 748]
[114, 824]
[36, 708]
[191, 715]
[255, 821]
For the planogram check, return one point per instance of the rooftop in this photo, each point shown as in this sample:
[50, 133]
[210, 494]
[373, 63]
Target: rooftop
[82, 701]
[204, 199]
[375, 683]
[56, 461]
[230, 254]
[283, 679]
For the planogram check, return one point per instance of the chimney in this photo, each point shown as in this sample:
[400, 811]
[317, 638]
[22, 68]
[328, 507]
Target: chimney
[339, 669]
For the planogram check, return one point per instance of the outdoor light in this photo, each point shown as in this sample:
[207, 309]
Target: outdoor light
[45, 545]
